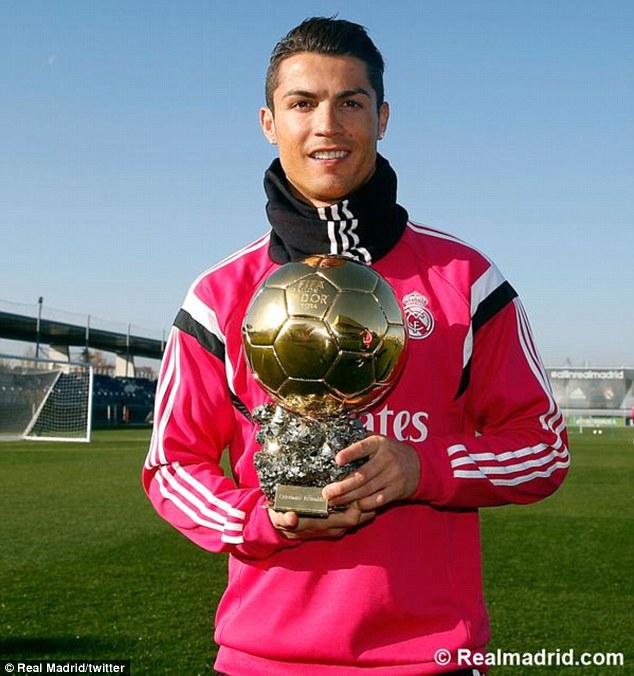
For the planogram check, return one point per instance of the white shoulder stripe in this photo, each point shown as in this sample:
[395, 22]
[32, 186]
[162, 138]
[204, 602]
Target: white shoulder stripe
[203, 314]
[467, 350]
[484, 286]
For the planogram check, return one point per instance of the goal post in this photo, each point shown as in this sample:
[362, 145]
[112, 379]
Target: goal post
[44, 399]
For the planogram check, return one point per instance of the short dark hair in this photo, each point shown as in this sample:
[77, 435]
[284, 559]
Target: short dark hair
[335, 37]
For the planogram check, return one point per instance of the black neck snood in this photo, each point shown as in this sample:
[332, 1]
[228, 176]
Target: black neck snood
[364, 226]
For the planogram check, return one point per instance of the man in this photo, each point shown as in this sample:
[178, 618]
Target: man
[391, 585]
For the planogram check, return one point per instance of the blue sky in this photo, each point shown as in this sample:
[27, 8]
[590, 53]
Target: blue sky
[131, 158]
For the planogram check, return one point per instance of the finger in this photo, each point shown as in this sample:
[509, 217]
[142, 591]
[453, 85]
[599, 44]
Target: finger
[353, 485]
[329, 533]
[354, 488]
[283, 520]
[290, 520]
[376, 500]
[337, 490]
[337, 524]
[357, 451]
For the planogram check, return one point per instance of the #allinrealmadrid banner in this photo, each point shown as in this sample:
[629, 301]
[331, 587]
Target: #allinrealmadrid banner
[606, 389]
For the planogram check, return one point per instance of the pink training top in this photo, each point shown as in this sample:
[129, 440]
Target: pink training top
[473, 400]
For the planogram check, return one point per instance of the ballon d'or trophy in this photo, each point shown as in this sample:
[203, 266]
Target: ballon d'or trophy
[325, 338]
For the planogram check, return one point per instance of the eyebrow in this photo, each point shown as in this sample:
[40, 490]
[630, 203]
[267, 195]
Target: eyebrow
[341, 95]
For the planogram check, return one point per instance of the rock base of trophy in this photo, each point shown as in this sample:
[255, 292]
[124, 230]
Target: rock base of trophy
[297, 458]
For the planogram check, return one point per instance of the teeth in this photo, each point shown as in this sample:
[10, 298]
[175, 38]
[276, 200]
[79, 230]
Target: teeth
[329, 155]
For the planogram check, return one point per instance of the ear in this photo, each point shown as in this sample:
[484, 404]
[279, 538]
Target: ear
[267, 122]
[384, 116]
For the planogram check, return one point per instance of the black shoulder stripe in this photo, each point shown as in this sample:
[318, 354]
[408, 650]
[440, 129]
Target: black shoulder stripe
[464, 379]
[241, 406]
[488, 308]
[492, 304]
[186, 323]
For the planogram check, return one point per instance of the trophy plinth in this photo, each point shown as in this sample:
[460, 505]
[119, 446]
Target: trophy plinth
[325, 338]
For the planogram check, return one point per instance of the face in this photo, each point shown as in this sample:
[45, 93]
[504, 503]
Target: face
[325, 124]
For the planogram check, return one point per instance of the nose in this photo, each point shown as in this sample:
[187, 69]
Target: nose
[327, 122]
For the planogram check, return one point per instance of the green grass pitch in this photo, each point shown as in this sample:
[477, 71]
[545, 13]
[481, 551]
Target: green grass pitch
[88, 570]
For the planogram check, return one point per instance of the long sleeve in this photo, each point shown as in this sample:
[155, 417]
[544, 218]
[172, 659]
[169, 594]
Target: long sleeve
[195, 420]
[517, 451]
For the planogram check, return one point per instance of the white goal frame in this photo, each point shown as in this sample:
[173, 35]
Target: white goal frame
[41, 406]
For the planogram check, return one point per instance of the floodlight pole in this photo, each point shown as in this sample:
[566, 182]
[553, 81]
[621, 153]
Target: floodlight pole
[127, 350]
[40, 300]
[88, 338]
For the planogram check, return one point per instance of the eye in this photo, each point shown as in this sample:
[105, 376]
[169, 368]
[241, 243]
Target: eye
[352, 103]
[302, 105]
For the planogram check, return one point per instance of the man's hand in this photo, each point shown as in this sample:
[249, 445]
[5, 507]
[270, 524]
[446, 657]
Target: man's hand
[337, 524]
[392, 472]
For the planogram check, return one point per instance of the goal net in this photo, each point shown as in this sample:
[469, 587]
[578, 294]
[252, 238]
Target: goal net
[42, 399]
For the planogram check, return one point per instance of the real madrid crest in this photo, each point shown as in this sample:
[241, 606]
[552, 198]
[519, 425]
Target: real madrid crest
[419, 320]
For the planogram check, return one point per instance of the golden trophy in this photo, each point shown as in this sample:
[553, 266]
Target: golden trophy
[325, 338]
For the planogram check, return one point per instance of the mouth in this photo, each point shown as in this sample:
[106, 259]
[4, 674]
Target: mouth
[329, 154]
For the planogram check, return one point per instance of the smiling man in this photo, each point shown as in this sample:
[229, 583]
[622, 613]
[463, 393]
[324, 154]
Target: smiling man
[392, 584]
[326, 118]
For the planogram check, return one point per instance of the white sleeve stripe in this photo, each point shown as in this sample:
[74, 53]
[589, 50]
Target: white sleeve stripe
[534, 475]
[528, 344]
[167, 413]
[526, 333]
[189, 512]
[206, 493]
[508, 455]
[156, 455]
[523, 478]
[165, 383]
[551, 420]
[526, 340]
[232, 539]
[468, 474]
[520, 466]
[456, 448]
[169, 366]
[203, 510]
